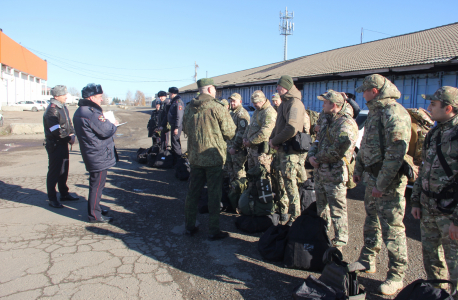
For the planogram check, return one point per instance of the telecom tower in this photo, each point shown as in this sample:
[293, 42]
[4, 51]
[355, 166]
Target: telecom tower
[286, 27]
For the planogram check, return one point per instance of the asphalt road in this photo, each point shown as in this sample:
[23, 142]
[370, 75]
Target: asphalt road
[48, 253]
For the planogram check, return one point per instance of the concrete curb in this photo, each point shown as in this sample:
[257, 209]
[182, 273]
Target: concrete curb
[12, 108]
[26, 128]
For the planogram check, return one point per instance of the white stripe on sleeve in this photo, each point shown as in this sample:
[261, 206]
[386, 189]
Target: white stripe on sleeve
[54, 127]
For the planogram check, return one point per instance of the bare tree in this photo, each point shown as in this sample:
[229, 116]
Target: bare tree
[129, 98]
[139, 98]
[74, 92]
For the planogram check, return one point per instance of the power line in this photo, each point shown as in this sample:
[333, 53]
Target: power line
[49, 55]
[110, 79]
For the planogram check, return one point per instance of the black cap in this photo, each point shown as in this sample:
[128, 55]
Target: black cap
[173, 90]
[161, 93]
[91, 89]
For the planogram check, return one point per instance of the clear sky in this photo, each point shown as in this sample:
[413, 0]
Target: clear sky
[152, 45]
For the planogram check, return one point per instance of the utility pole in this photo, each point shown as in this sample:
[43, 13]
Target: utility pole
[286, 27]
[362, 30]
[195, 70]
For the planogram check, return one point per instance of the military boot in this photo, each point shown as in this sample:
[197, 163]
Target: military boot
[390, 286]
[369, 265]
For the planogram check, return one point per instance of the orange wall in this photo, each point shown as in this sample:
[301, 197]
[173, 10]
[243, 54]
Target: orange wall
[15, 56]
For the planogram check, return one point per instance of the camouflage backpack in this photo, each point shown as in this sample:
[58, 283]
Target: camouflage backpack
[313, 115]
[421, 124]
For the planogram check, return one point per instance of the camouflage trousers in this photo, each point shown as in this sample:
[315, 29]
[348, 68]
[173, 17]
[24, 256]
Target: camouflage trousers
[236, 165]
[331, 202]
[292, 172]
[254, 159]
[200, 176]
[384, 220]
[440, 252]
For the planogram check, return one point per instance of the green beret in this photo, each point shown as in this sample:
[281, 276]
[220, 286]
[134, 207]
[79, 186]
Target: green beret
[204, 82]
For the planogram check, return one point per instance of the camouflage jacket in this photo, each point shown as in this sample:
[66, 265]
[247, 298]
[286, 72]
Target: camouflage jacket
[384, 110]
[207, 124]
[337, 143]
[241, 120]
[432, 176]
[262, 124]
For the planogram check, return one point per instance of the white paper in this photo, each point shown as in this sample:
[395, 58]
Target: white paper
[109, 115]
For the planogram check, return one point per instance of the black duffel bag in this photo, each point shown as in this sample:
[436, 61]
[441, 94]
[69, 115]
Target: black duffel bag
[272, 243]
[424, 290]
[182, 169]
[142, 155]
[253, 224]
[164, 160]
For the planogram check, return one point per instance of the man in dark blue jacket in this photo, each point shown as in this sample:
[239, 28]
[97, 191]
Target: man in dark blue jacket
[175, 119]
[162, 118]
[95, 135]
[59, 133]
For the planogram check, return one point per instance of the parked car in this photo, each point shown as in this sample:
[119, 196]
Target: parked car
[30, 105]
[43, 102]
[250, 109]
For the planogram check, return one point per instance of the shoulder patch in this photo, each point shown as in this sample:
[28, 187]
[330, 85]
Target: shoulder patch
[102, 118]
[53, 105]
[243, 123]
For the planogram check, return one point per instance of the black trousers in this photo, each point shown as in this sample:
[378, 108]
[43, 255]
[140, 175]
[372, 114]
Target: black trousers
[165, 137]
[176, 143]
[96, 184]
[58, 156]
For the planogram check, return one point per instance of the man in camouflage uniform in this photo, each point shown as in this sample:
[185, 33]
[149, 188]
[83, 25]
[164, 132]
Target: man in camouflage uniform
[276, 101]
[290, 121]
[330, 157]
[383, 147]
[256, 137]
[225, 104]
[236, 149]
[435, 188]
[207, 124]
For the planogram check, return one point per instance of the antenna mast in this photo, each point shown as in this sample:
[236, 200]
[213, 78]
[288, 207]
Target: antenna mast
[286, 27]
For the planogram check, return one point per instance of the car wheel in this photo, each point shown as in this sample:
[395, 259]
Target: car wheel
[34, 109]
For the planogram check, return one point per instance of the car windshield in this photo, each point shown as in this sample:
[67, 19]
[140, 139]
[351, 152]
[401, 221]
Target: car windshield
[249, 108]
[360, 120]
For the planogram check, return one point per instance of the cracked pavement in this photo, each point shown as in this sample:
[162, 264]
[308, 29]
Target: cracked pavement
[48, 253]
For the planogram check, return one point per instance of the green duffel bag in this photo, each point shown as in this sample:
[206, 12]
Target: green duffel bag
[246, 202]
[237, 187]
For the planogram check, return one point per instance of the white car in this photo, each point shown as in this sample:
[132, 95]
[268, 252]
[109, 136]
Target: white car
[30, 105]
[360, 121]
[43, 102]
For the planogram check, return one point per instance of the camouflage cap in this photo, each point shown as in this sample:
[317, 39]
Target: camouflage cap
[204, 82]
[333, 96]
[224, 102]
[446, 94]
[59, 90]
[258, 96]
[275, 96]
[236, 96]
[372, 81]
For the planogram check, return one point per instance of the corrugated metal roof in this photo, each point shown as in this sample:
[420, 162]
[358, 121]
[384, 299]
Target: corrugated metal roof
[436, 45]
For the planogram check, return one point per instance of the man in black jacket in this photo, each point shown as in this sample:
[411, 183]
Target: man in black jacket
[162, 118]
[175, 119]
[95, 134]
[59, 133]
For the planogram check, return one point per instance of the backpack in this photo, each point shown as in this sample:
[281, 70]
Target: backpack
[314, 289]
[424, 290]
[341, 276]
[253, 224]
[258, 199]
[421, 124]
[142, 155]
[272, 243]
[182, 169]
[164, 160]
[307, 196]
[307, 242]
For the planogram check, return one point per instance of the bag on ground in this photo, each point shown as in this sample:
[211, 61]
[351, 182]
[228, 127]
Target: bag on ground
[425, 290]
[341, 276]
[314, 289]
[236, 188]
[182, 169]
[253, 224]
[164, 160]
[307, 242]
[202, 206]
[272, 243]
[142, 155]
